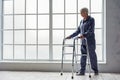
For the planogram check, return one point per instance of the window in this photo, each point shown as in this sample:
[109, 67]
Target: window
[34, 29]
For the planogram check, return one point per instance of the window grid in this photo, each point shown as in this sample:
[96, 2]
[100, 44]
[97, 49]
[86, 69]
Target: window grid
[13, 30]
[25, 32]
[2, 31]
[50, 30]
[37, 29]
[54, 13]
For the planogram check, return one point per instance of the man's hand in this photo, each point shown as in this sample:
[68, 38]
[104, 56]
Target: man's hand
[67, 37]
[81, 37]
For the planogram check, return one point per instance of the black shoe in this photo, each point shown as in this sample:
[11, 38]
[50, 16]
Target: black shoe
[80, 74]
[96, 73]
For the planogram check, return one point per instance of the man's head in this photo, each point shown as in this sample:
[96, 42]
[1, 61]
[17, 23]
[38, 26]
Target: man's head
[84, 12]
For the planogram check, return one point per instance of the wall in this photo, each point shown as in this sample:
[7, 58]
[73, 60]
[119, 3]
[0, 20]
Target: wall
[112, 46]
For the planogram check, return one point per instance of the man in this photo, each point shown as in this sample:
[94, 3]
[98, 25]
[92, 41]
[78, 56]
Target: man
[86, 30]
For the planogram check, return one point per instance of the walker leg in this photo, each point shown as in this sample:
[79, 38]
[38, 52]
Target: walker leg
[73, 60]
[88, 55]
[62, 59]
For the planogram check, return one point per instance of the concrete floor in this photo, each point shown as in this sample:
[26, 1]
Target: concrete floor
[20, 75]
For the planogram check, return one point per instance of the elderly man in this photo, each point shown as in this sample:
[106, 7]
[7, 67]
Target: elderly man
[86, 30]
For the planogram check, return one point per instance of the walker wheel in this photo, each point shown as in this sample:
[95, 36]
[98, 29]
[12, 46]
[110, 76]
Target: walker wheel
[89, 76]
[61, 74]
[72, 77]
[77, 72]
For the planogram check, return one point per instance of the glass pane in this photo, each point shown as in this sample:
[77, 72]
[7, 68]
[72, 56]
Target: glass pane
[78, 48]
[96, 5]
[19, 6]
[19, 37]
[68, 57]
[71, 21]
[83, 3]
[99, 52]
[57, 52]
[8, 52]
[31, 21]
[58, 21]
[68, 50]
[43, 6]
[58, 6]
[43, 37]
[58, 36]
[43, 52]
[19, 52]
[8, 37]
[8, 22]
[19, 21]
[30, 52]
[43, 21]
[98, 36]
[30, 37]
[79, 18]
[71, 6]
[31, 6]
[8, 7]
[68, 33]
[98, 20]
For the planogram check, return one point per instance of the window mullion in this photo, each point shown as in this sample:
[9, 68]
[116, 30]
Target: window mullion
[13, 31]
[1, 33]
[37, 30]
[25, 33]
[50, 32]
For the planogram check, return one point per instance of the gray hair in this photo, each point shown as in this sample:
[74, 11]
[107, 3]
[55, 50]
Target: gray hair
[84, 10]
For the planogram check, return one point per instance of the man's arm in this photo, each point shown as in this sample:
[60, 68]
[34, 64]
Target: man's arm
[90, 30]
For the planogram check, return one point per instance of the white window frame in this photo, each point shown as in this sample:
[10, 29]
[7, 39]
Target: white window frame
[51, 32]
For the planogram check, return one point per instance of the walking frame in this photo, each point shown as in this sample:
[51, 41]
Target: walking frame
[74, 56]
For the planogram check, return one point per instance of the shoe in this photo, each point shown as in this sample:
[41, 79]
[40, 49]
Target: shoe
[96, 73]
[80, 74]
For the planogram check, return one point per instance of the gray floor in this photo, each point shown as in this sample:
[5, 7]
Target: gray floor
[16, 75]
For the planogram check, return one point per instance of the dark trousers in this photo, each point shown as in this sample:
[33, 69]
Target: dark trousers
[93, 58]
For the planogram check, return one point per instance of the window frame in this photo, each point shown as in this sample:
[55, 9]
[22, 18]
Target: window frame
[51, 29]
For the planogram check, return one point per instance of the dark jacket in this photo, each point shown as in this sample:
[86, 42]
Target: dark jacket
[86, 28]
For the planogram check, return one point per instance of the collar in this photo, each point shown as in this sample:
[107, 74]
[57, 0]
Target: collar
[86, 19]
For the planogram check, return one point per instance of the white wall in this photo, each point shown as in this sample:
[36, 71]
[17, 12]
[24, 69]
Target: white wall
[112, 46]
[112, 37]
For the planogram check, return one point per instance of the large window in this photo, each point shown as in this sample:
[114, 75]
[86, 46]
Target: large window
[34, 29]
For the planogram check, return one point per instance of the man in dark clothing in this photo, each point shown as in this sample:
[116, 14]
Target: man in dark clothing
[86, 30]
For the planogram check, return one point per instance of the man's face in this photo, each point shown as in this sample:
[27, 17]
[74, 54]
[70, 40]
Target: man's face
[83, 14]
